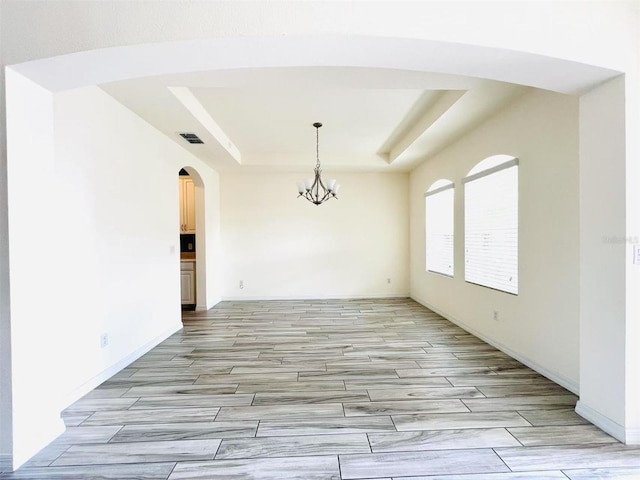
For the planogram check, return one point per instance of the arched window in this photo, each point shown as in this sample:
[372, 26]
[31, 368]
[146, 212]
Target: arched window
[439, 227]
[491, 224]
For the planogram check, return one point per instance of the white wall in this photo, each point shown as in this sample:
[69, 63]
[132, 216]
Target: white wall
[281, 246]
[6, 429]
[604, 246]
[541, 324]
[35, 354]
[632, 179]
[94, 247]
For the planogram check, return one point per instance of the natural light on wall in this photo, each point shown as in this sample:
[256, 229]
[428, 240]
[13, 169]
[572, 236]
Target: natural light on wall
[491, 224]
[439, 227]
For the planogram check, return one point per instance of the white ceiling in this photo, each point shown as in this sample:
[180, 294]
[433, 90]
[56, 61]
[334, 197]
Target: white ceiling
[373, 119]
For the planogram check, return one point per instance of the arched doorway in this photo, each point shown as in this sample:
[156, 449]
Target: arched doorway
[193, 243]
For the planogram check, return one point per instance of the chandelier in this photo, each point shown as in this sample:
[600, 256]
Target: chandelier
[313, 189]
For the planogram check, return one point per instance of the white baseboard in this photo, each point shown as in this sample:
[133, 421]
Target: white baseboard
[632, 436]
[116, 367]
[6, 464]
[559, 379]
[313, 297]
[614, 429]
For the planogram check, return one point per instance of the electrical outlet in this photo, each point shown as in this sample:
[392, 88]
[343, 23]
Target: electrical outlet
[241, 284]
[104, 340]
[636, 254]
[496, 316]
[388, 280]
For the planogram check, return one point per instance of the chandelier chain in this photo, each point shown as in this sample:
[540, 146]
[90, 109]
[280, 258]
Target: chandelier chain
[318, 147]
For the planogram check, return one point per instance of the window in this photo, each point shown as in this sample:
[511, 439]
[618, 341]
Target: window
[491, 224]
[439, 228]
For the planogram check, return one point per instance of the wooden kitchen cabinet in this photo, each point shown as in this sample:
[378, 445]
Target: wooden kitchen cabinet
[187, 205]
[188, 282]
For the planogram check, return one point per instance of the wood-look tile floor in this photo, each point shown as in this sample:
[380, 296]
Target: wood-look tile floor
[328, 390]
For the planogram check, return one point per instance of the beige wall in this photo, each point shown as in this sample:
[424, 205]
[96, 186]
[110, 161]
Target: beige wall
[283, 247]
[541, 324]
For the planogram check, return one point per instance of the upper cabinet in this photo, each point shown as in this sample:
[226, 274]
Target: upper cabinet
[187, 205]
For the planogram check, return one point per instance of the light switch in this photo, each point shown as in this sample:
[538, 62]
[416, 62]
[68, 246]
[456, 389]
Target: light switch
[636, 254]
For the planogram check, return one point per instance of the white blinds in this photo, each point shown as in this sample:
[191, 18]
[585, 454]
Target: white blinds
[439, 230]
[491, 227]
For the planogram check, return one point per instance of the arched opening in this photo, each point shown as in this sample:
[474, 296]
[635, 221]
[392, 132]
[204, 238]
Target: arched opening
[488, 163]
[192, 231]
[440, 184]
[589, 113]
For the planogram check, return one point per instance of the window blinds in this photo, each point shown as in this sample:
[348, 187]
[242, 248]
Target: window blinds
[439, 230]
[491, 227]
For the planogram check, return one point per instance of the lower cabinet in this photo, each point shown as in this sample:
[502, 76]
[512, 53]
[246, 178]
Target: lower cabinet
[188, 282]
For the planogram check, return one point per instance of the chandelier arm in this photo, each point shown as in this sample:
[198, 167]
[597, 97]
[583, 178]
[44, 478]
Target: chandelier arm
[315, 189]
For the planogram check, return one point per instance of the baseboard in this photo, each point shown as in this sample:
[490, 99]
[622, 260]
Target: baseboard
[211, 302]
[554, 377]
[603, 422]
[313, 297]
[116, 367]
[632, 436]
[6, 465]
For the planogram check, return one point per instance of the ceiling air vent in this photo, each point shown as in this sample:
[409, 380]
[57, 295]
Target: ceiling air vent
[191, 137]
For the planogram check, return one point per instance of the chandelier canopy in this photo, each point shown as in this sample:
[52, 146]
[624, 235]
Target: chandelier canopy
[313, 189]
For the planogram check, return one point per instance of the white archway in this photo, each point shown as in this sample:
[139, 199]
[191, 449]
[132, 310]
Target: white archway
[114, 64]
[57, 74]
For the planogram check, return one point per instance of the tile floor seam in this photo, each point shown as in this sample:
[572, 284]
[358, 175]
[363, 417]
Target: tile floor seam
[515, 438]
[501, 459]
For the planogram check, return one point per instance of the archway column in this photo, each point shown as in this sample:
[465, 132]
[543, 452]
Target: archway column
[608, 308]
[632, 254]
[35, 417]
